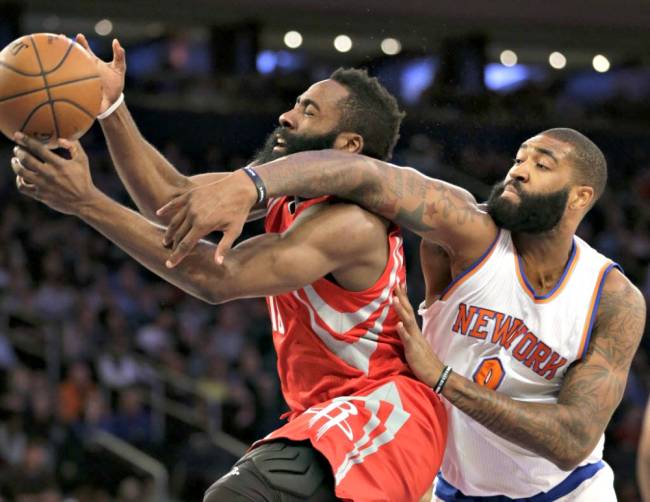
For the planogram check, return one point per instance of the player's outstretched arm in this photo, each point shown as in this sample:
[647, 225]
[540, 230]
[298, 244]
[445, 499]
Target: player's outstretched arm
[148, 176]
[265, 265]
[567, 432]
[440, 212]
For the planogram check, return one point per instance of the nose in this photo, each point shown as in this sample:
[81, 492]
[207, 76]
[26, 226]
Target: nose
[518, 172]
[287, 120]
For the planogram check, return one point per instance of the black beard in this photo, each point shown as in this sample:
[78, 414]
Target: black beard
[293, 143]
[535, 213]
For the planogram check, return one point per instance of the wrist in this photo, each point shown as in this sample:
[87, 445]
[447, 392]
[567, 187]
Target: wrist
[90, 204]
[442, 379]
[111, 109]
[254, 192]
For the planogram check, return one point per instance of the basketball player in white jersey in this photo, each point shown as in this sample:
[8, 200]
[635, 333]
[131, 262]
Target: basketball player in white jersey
[533, 338]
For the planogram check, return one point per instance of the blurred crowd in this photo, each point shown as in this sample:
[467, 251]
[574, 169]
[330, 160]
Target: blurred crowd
[87, 335]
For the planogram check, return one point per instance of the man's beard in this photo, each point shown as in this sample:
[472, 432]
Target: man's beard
[293, 143]
[535, 213]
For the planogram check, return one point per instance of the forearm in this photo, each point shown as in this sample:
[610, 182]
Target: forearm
[142, 239]
[359, 179]
[148, 177]
[400, 194]
[553, 431]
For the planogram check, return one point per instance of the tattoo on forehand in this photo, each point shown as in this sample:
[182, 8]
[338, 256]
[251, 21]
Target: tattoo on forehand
[409, 198]
[590, 392]
[400, 194]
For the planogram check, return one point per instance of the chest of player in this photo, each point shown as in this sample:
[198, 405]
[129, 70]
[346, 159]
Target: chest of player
[520, 349]
[491, 327]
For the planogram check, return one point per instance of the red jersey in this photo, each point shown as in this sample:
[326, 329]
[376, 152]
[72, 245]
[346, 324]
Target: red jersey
[344, 375]
[330, 341]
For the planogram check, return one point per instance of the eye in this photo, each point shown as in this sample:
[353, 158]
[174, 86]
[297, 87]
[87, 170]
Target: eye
[542, 166]
[517, 161]
[308, 112]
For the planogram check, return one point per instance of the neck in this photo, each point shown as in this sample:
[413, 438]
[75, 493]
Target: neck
[544, 256]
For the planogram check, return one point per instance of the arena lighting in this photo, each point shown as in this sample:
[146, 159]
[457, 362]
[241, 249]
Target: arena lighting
[104, 27]
[343, 43]
[557, 60]
[508, 58]
[501, 78]
[266, 62]
[292, 39]
[600, 63]
[391, 46]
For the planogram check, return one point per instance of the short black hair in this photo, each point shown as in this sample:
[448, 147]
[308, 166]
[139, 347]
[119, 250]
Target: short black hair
[371, 111]
[588, 160]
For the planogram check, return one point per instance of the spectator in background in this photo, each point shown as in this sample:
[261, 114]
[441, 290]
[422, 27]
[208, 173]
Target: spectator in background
[34, 475]
[117, 369]
[74, 391]
[157, 336]
[643, 458]
[13, 439]
[132, 422]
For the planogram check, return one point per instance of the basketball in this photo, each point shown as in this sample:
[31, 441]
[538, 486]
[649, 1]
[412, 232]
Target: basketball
[49, 88]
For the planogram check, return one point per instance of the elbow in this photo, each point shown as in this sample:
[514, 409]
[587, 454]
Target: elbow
[566, 464]
[570, 460]
[219, 288]
[215, 296]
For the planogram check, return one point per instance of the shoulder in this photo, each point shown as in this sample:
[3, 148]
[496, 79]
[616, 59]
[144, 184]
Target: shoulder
[620, 320]
[619, 292]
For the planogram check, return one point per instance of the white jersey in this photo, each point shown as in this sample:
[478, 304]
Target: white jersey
[489, 326]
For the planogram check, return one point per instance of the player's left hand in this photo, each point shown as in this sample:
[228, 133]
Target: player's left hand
[63, 184]
[421, 358]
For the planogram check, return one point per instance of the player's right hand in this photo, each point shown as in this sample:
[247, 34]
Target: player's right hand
[111, 73]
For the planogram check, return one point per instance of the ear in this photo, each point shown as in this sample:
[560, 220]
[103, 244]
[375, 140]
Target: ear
[349, 142]
[581, 198]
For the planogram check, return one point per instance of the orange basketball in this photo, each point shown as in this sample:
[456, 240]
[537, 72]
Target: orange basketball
[49, 88]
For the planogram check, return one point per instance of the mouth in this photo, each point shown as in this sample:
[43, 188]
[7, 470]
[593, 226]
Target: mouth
[510, 192]
[280, 143]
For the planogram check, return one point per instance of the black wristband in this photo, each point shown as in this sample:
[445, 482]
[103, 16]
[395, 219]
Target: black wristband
[259, 184]
[446, 371]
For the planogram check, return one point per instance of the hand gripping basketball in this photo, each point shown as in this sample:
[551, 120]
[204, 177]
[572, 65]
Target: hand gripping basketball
[63, 184]
[110, 73]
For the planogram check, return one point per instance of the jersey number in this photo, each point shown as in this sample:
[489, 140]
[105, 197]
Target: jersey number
[276, 318]
[490, 373]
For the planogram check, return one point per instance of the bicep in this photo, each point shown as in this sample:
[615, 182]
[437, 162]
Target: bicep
[595, 385]
[272, 264]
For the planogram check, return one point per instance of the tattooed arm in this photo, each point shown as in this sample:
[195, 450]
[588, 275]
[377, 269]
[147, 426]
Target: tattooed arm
[438, 211]
[567, 431]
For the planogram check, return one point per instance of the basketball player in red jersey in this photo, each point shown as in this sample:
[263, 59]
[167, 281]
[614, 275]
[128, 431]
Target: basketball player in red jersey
[358, 420]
